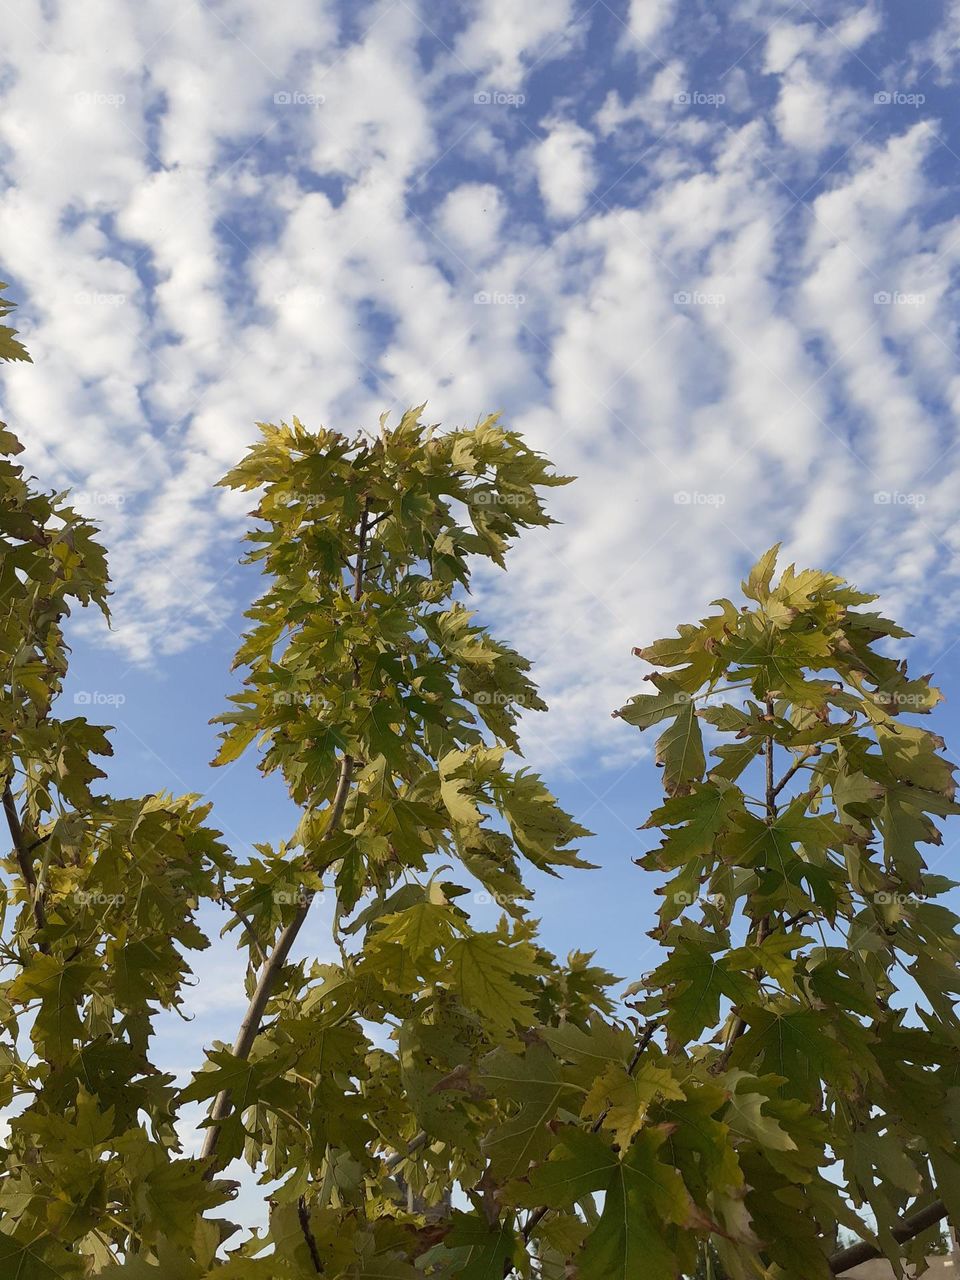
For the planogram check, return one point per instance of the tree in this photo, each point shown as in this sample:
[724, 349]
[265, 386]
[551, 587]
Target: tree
[807, 830]
[753, 1091]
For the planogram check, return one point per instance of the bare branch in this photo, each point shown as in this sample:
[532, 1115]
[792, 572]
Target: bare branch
[794, 768]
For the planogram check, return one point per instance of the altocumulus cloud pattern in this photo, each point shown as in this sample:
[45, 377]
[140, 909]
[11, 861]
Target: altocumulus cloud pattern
[704, 256]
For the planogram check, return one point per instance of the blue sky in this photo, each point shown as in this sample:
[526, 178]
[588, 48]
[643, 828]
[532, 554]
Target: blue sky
[703, 256]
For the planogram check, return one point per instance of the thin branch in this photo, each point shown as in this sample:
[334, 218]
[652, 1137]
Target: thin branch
[646, 1036]
[909, 1227]
[304, 1217]
[763, 926]
[250, 1026]
[797, 765]
[248, 927]
[24, 860]
[413, 1146]
[795, 919]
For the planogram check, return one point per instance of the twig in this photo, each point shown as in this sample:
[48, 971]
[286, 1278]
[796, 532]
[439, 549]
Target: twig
[250, 931]
[24, 860]
[794, 768]
[646, 1036]
[763, 926]
[413, 1146]
[304, 1216]
[771, 788]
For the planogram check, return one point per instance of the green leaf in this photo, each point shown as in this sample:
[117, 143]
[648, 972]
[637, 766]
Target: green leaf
[695, 980]
[643, 1199]
[620, 1100]
[483, 969]
[757, 585]
[40, 1257]
[534, 1082]
[489, 1249]
[680, 751]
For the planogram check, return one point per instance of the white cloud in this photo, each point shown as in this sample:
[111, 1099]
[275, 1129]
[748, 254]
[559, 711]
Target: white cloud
[649, 18]
[504, 39]
[565, 172]
[813, 113]
[472, 216]
[816, 108]
[937, 56]
[657, 108]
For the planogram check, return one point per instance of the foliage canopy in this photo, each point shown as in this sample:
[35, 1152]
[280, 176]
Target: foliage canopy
[743, 1100]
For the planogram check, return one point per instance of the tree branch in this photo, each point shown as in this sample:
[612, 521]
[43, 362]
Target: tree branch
[24, 859]
[304, 1218]
[794, 768]
[413, 1146]
[762, 927]
[646, 1036]
[247, 925]
[909, 1227]
[250, 1026]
